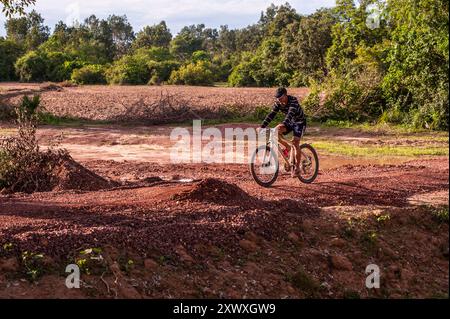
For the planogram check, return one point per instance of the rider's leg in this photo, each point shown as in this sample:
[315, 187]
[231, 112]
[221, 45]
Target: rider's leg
[281, 129]
[298, 153]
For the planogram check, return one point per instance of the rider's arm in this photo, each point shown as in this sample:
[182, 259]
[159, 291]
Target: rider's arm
[269, 118]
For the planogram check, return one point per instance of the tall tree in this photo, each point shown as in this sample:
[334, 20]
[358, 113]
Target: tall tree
[122, 34]
[306, 46]
[28, 30]
[189, 40]
[157, 35]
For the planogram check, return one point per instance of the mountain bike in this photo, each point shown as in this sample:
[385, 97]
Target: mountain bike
[265, 163]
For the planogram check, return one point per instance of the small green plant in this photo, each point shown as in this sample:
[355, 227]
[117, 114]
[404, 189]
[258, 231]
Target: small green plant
[305, 283]
[369, 240]
[91, 261]
[165, 259]
[441, 215]
[8, 247]
[349, 230]
[32, 263]
[126, 265]
[383, 219]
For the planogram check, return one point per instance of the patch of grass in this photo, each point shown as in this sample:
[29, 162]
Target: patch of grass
[375, 127]
[221, 84]
[369, 240]
[305, 283]
[50, 119]
[351, 294]
[349, 230]
[439, 295]
[441, 214]
[6, 249]
[341, 148]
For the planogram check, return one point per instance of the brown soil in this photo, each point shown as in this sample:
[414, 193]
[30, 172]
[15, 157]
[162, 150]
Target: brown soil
[216, 192]
[142, 103]
[70, 175]
[204, 239]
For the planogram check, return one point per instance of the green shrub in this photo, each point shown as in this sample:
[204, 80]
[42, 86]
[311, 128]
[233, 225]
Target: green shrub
[44, 66]
[9, 52]
[200, 56]
[161, 71]
[31, 67]
[56, 70]
[89, 74]
[241, 76]
[298, 80]
[193, 74]
[128, 70]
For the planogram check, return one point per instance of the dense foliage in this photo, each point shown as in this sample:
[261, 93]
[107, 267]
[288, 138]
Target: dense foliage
[383, 60]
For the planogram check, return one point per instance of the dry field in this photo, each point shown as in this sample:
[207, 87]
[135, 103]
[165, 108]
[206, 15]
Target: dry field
[147, 104]
[167, 230]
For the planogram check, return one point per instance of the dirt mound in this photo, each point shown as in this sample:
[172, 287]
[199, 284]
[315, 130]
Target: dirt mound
[70, 175]
[216, 191]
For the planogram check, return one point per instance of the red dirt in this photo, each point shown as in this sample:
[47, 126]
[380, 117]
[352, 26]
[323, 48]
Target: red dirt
[70, 175]
[212, 224]
[216, 192]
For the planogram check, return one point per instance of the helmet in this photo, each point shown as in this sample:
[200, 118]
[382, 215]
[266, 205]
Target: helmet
[280, 92]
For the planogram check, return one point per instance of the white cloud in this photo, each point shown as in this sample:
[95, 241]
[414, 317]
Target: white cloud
[177, 13]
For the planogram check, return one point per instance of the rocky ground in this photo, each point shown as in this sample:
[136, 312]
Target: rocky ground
[222, 236]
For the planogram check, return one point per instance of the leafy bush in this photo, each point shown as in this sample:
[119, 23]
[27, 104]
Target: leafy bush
[416, 83]
[89, 74]
[200, 56]
[56, 67]
[242, 75]
[9, 52]
[31, 67]
[263, 68]
[44, 66]
[193, 74]
[128, 70]
[161, 71]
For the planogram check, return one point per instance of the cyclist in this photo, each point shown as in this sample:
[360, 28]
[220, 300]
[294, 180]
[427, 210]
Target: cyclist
[295, 122]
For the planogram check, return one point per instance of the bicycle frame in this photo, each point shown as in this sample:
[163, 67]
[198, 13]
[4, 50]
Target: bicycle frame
[273, 140]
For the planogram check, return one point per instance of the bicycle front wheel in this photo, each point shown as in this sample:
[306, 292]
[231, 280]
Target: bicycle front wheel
[264, 166]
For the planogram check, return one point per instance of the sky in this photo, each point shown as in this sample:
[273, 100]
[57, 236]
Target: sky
[177, 13]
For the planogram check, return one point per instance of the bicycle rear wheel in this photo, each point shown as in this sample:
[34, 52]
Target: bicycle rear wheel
[264, 166]
[309, 166]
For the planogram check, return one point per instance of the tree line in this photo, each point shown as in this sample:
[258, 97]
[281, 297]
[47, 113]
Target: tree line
[368, 59]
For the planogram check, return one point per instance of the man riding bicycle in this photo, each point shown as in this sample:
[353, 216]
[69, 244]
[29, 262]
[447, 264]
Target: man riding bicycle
[295, 122]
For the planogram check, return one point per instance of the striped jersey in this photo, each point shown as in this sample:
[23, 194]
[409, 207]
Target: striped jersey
[293, 110]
